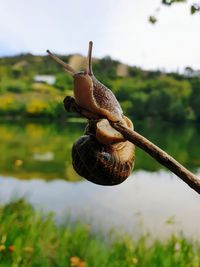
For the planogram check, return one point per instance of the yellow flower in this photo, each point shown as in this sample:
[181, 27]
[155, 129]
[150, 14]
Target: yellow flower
[2, 247]
[35, 130]
[18, 162]
[36, 106]
[76, 262]
[28, 249]
[135, 260]
[6, 101]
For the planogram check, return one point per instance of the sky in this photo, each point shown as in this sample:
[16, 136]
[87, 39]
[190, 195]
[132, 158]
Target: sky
[118, 28]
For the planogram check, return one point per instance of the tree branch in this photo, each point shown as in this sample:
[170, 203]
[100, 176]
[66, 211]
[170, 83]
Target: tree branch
[158, 154]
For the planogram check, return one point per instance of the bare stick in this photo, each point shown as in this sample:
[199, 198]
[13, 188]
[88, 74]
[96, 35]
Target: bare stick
[158, 154]
[69, 69]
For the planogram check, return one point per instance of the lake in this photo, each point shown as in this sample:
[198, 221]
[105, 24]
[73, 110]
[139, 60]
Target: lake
[35, 163]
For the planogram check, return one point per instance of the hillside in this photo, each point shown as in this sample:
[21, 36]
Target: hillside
[34, 86]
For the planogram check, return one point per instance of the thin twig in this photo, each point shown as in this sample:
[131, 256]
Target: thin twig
[158, 154]
[161, 156]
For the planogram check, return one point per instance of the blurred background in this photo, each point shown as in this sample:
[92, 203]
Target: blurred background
[147, 53]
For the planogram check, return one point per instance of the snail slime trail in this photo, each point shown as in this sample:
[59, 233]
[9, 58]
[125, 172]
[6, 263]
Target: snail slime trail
[101, 155]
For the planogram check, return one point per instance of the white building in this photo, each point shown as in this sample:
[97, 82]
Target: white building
[49, 79]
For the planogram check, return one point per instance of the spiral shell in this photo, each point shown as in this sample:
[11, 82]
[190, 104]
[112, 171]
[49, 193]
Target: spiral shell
[102, 164]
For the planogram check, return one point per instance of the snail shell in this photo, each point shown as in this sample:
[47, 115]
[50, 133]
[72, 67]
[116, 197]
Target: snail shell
[104, 164]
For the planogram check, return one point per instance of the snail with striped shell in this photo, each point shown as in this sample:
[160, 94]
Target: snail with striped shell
[101, 155]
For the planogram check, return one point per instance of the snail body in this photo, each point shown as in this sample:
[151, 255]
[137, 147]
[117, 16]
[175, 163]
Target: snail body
[102, 155]
[89, 93]
[95, 97]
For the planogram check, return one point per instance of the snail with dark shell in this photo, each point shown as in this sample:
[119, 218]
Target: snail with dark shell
[102, 155]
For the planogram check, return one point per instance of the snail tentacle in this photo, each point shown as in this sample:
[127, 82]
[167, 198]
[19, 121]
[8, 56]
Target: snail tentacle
[66, 67]
[89, 59]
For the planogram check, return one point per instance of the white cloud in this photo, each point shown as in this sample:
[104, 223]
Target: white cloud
[118, 28]
[172, 43]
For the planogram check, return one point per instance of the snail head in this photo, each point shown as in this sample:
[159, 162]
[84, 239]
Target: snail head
[82, 79]
[69, 69]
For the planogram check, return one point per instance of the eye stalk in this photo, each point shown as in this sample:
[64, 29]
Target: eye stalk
[69, 69]
[89, 59]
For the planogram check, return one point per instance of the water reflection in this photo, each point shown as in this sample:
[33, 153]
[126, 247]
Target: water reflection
[158, 202]
[30, 150]
[35, 162]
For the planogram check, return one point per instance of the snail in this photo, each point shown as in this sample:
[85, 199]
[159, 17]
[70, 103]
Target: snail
[101, 155]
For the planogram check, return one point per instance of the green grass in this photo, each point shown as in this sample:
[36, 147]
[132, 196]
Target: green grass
[30, 238]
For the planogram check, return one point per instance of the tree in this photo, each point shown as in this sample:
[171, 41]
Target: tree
[194, 8]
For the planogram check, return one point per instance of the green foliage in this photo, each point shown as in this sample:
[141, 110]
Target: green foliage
[16, 72]
[29, 238]
[170, 2]
[105, 68]
[152, 19]
[33, 64]
[195, 8]
[195, 97]
[42, 88]
[63, 81]
[142, 94]
[15, 86]
[163, 97]
[32, 104]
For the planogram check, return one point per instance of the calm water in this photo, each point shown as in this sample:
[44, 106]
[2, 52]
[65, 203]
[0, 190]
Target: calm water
[35, 163]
